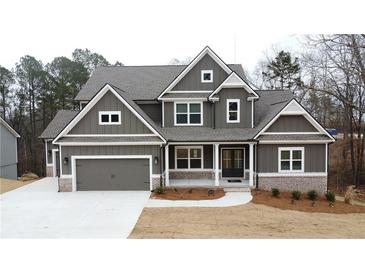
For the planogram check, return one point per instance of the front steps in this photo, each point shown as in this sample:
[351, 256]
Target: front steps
[237, 189]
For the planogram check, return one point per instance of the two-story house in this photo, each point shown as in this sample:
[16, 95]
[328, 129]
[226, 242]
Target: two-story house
[185, 125]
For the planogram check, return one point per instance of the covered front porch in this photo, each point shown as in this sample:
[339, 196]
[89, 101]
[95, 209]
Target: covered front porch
[209, 165]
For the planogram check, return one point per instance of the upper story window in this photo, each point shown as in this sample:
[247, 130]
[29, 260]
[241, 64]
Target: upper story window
[188, 114]
[291, 159]
[207, 76]
[233, 110]
[109, 117]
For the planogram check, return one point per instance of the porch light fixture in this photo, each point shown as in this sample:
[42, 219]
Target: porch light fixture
[65, 160]
[49, 152]
[155, 160]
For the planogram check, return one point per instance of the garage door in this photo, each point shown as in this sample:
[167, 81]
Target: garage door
[112, 174]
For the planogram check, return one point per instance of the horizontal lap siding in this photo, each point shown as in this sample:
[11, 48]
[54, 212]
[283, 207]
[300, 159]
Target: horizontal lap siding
[314, 157]
[109, 150]
[130, 124]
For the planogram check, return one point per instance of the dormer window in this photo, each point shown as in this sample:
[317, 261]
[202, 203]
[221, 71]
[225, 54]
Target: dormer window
[207, 76]
[233, 110]
[109, 117]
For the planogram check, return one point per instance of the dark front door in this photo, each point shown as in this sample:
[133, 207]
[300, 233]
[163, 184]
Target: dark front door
[232, 162]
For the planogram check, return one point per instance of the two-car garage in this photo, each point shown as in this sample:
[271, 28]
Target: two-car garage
[111, 173]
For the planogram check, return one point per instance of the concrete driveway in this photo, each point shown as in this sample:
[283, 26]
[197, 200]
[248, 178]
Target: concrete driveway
[37, 210]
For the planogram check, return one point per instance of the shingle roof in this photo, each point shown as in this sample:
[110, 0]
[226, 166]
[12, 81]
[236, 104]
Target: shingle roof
[139, 82]
[62, 118]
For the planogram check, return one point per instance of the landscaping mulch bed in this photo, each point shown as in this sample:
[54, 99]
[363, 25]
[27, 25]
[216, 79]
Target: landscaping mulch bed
[189, 194]
[321, 205]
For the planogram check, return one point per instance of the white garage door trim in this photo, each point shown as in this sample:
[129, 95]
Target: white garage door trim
[76, 157]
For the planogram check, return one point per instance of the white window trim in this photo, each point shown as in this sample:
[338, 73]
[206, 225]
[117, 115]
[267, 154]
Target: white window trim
[202, 76]
[188, 113]
[290, 159]
[110, 113]
[188, 148]
[238, 111]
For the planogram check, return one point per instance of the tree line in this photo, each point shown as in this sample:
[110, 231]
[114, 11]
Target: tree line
[328, 78]
[31, 93]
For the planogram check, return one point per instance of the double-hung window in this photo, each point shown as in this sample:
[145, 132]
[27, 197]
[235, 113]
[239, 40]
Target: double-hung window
[188, 157]
[291, 159]
[233, 110]
[109, 117]
[189, 114]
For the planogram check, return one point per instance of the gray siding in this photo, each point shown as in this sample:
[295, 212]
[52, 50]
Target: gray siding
[291, 123]
[221, 108]
[207, 151]
[8, 153]
[50, 146]
[314, 157]
[154, 111]
[207, 114]
[68, 151]
[89, 124]
[192, 80]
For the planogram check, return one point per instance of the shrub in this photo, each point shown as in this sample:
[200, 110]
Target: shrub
[175, 189]
[159, 190]
[331, 197]
[190, 190]
[312, 195]
[275, 192]
[296, 195]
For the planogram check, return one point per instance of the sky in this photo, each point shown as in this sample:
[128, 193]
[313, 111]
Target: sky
[153, 32]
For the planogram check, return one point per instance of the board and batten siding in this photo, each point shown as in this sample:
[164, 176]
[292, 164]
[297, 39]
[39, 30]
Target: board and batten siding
[89, 124]
[68, 151]
[154, 111]
[207, 114]
[192, 80]
[221, 108]
[291, 123]
[8, 154]
[314, 157]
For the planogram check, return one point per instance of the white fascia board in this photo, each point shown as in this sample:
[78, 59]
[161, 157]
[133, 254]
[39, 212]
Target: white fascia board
[234, 81]
[109, 135]
[189, 91]
[12, 131]
[291, 133]
[109, 143]
[92, 103]
[298, 110]
[205, 51]
[295, 142]
[183, 99]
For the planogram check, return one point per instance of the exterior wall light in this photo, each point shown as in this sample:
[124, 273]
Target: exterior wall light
[65, 160]
[155, 160]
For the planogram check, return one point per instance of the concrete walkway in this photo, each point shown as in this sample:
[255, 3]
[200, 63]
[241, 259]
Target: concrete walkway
[230, 199]
[37, 210]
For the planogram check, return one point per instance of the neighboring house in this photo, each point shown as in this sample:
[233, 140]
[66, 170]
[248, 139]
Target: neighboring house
[194, 125]
[8, 151]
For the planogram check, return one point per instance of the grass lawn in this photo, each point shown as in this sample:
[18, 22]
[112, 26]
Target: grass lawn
[246, 221]
[8, 185]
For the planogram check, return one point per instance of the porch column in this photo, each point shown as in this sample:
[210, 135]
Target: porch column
[216, 164]
[251, 165]
[167, 179]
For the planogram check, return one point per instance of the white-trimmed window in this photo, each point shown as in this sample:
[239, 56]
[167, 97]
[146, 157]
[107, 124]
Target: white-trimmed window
[188, 114]
[109, 117]
[207, 76]
[189, 157]
[291, 159]
[233, 110]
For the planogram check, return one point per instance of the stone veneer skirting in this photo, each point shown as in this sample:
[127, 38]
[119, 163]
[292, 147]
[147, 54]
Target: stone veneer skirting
[191, 175]
[49, 171]
[302, 184]
[64, 184]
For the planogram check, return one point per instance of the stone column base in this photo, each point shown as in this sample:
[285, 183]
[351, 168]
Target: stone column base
[64, 184]
[155, 182]
[302, 184]
[49, 171]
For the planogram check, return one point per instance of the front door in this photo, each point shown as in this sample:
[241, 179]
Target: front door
[232, 162]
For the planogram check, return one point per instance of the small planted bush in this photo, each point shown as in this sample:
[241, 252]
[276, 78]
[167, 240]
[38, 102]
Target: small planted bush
[331, 197]
[190, 190]
[275, 192]
[312, 195]
[160, 190]
[296, 195]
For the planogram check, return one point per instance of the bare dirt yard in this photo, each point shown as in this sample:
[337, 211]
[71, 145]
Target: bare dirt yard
[189, 194]
[246, 221]
[8, 185]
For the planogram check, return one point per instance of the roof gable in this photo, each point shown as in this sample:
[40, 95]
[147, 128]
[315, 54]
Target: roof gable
[127, 102]
[234, 81]
[193, 63]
